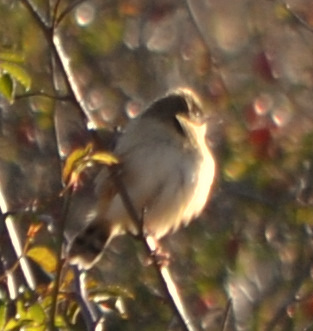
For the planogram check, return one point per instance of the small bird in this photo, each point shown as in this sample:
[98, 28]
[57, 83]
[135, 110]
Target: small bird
[167, 170]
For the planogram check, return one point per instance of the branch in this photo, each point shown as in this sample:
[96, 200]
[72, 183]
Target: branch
[226, 315]
[43, 25]
[13, 231]
[298, 18]
[54, 42]
[43, 94]
[60, 262]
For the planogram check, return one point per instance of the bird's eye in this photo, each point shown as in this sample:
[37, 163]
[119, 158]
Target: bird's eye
[197, 113]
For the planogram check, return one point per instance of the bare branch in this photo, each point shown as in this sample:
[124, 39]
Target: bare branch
[299, 18]
[66, 69]
[226, 315]
[54, 11]
[38, 18]
[13, 231]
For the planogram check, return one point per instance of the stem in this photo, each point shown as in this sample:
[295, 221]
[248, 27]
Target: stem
[60, 261]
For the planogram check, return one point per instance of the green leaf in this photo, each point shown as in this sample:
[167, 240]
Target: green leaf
[3, 315]
[37, 317]
[11, 57]
[16, 72]
[13, 325]
[60, 322]
[6, 86]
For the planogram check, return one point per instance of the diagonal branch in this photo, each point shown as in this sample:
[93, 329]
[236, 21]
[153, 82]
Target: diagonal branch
[54, 42]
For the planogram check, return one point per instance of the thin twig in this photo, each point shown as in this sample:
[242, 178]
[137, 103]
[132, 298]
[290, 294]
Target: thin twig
[55, 13]
[299, 18]
[36, 15]
[226, 314]
[60, 261]
[43, 94]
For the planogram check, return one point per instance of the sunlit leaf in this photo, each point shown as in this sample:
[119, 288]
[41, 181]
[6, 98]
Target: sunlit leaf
[37, 316]
[21, 320]
[44, 257]
[12, 325]
[6, 86]
[74, 177]
[16, 72]
[60, 322]
[67, 279]
[235, 169]
[282, 12]
[104, 158]
[79, 160]
[20, 309]
[75, 157]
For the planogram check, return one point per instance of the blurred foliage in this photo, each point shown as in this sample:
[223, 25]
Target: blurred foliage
[252, 63]
[11, 72]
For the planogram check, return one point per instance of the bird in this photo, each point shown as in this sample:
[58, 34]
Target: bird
[167, 170]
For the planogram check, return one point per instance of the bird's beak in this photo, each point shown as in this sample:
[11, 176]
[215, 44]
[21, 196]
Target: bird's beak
[195, 130]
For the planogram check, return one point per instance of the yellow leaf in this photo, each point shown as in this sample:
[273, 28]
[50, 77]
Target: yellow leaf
[67, 280]
[73, 179]
[74, 159]
[44, 256]
[105, 158]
